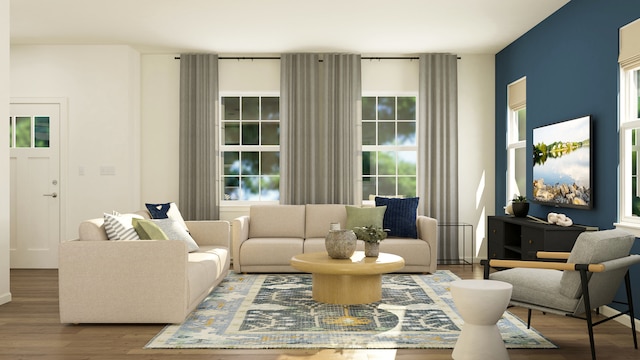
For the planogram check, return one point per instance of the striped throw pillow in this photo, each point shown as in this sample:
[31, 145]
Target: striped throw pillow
[119, 226]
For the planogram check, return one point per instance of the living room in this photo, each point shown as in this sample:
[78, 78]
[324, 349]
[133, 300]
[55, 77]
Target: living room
[120, 142]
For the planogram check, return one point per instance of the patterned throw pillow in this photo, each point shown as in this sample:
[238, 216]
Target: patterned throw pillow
[175, 231]
[119, 227]
[400, 217]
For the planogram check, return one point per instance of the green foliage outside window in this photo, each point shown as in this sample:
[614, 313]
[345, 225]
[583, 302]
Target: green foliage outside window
[389, 158]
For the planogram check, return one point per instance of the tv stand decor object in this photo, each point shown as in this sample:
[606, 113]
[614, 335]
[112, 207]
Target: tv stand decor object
[521, 238]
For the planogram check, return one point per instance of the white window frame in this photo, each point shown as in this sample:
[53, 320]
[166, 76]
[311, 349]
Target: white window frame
[395, 148]
[246, 148]
[629, 121]
[513, 144]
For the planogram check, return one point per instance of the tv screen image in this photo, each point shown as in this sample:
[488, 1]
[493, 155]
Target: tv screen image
[562, 164]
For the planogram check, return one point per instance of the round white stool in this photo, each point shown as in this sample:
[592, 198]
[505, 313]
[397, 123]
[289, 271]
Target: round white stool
[480, 303]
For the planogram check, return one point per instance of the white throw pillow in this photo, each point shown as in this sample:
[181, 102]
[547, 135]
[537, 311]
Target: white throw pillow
[176, 231]
[119, 227]
[166, 210]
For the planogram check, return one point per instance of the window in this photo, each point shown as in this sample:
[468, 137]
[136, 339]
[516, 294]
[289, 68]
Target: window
[629, 117]
[517, 140]
[630, 146]
[250, 148]
[29, 132]
[389, 147]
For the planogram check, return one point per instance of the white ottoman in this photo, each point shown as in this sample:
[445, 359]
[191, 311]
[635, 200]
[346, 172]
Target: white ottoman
[480, 303]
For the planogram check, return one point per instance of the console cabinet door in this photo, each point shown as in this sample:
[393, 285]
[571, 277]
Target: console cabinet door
[532, 242]
[496, 239]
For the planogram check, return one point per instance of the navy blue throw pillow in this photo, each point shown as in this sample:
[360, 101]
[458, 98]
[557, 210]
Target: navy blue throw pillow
[400, 217]
[158, 211]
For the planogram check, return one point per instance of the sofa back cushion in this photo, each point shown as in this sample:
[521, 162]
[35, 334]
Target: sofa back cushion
[320, 216]
[276, 221]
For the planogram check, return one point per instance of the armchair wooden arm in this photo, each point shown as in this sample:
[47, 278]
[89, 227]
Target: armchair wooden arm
[557, 255]
[543, 265]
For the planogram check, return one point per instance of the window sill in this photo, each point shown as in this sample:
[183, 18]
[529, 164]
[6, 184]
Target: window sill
[632, 228]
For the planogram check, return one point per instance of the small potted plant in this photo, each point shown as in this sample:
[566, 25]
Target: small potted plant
[520, 206]
[371, 235]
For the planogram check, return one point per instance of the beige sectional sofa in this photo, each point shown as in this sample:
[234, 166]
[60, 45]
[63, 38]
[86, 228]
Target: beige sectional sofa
[139, 281]
[266, 239]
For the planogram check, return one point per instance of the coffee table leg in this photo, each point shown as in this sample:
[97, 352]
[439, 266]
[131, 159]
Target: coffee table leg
[347, 289]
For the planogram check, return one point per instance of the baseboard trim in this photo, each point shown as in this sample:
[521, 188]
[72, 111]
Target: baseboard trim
[5, 298]
[624, 319]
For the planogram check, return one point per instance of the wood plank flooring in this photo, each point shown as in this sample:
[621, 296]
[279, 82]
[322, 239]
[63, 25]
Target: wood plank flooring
[30, 330]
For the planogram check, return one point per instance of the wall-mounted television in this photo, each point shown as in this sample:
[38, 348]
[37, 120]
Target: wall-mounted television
[563, 164]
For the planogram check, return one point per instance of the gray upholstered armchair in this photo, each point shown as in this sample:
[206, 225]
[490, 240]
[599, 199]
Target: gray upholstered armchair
[594, 270]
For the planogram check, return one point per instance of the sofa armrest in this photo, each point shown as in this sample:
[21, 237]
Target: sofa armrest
[210, 232]
[123, 281]
[428, 232]
[239, 233]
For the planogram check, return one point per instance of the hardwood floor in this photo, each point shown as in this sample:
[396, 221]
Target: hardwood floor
[30, 329]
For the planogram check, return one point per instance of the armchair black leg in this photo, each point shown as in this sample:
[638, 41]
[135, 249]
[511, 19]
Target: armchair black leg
[529, 318]
[587, 306]
[627, 283]
[485, 264]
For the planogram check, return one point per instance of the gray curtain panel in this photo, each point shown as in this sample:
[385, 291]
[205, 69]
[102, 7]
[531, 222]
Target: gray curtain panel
[320, 99]
[199, 194]
[438, 147]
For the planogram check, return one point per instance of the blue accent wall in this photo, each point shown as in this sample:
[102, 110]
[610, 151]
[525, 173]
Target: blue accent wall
[571, 64]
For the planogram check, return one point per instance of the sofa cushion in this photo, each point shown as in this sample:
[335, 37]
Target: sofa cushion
[175, 231]
[202, 267]
[317, 245]
[282, 221]
[148, 230]
[270, 251]
[119, 227]
[364, 216]
[400, 216]
[537, 286]
[318, 218]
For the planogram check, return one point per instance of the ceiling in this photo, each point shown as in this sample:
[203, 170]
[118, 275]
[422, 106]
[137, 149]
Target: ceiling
[276, 26]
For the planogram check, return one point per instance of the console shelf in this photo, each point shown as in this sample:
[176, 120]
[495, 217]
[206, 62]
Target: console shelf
[521, 238]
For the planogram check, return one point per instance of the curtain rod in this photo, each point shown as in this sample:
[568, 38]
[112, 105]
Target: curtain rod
[278, 58]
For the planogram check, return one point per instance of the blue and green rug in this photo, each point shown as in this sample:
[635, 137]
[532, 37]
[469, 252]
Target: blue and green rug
[276, 311]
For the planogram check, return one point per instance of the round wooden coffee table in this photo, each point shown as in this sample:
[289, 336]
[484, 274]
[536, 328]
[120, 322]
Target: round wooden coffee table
[357, 280]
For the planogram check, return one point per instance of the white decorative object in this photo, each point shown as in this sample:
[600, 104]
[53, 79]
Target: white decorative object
[480, 303]
[334, 226]
[559, 219]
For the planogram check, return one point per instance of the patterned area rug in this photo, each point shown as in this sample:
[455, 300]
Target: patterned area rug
[276, 311]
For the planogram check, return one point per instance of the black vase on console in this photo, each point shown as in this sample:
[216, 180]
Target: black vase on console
[520, 209]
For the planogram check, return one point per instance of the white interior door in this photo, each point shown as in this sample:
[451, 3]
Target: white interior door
[35, 191]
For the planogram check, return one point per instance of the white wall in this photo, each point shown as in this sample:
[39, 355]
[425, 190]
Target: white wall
[5, 293]
[102, 88]
[123, 111]
[160, 108]
[476, 140]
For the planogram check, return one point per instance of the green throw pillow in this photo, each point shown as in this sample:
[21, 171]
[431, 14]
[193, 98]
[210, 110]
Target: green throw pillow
[364, 216]
[148, 230]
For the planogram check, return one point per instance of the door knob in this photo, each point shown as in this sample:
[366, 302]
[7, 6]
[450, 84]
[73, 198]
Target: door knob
[53, 195]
